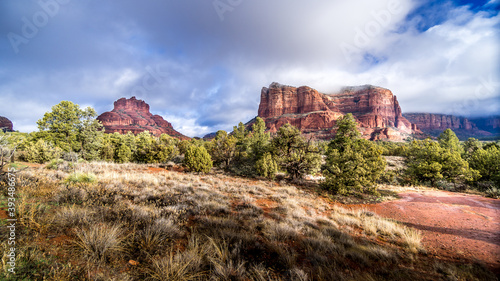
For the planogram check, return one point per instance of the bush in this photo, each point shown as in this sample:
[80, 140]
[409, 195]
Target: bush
[81, 178]
[293, 153]
[266, 166]
[197, 159]
[487, 162]
[428, 161]
[54, 164]
[351, 163]
[357, 166]
[123, 154]
[41, 152]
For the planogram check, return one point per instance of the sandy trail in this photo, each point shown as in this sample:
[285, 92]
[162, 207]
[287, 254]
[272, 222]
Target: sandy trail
[458, 227]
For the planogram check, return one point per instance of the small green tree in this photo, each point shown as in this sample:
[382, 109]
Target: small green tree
[347, 132]
[428, 160]
[259, 139]
[470, 146]
[64, 123]
[266, 166]
[293, 153]
[41, 152]
[123, 154]
[487, 163]
[223, 149]
[145, 152]
[356, 168]
[91, 137]
[197, 159]
[449, 140]
[352, 164]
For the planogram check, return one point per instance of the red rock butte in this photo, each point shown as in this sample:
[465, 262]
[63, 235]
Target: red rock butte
[435, 124]
[133, 115]
[376, 110]
[5, 124]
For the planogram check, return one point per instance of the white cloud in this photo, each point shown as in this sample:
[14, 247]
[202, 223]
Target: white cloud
[212, 71]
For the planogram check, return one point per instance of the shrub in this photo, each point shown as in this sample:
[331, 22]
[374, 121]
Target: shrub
[223, 149]
[197, 159]
[428, 161]
[123, 154]
[266, 166]
[487, 162]
[54, 164]
[41, 152]
[81, 178]
[351, 163]
[293, 153]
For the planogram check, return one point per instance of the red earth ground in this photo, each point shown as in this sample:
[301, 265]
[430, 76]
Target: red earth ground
[455, 226]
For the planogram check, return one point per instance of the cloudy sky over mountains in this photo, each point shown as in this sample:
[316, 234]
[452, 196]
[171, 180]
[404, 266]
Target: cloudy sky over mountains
[201, 64]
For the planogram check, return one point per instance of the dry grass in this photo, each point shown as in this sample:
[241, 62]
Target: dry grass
[99, 242]
[139, 223]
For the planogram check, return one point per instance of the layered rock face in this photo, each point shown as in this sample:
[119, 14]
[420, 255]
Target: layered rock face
[133, 115]
[376, 109]
[489, 124]
[435, 124]
[5, 124]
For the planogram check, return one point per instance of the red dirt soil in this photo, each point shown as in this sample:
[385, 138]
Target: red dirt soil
[455, 226]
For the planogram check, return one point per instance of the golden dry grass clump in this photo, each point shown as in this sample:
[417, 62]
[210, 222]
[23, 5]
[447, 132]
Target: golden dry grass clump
[139, 222]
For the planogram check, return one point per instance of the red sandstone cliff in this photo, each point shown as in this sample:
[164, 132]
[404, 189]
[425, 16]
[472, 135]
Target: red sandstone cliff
[435, 124]
[133, 115]
[376, 109]
[5, 124]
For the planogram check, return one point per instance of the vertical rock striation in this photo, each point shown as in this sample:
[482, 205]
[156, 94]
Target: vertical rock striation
[376, 109]
[133, 115]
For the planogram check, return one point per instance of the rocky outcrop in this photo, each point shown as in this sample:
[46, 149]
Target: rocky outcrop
[133, 115]
[5, 124]
[376, 109]
[489, 124]
[435, 124]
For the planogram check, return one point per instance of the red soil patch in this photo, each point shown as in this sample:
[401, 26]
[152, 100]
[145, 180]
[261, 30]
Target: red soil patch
[61, 240]
[4, 215]
[154, 170]
[455, 227]
[266, 205]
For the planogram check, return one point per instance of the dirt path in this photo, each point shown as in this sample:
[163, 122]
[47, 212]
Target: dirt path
[455, 226]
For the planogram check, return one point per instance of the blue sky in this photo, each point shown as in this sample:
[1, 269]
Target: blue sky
[201, 64]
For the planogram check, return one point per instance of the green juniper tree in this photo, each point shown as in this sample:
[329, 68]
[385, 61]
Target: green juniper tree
[197, 159]
[352, 164]
[223, 149]
[293, 153]
[430, 161]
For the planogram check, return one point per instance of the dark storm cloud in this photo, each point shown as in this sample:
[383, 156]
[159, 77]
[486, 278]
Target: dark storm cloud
[203, 68]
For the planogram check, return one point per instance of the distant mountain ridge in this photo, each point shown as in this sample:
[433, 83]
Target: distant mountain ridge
[434, 124]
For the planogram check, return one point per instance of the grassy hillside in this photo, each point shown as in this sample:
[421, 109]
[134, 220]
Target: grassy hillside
[138, 222]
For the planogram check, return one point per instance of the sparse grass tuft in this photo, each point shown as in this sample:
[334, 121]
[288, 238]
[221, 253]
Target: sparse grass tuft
[99, 242]
[81, 178]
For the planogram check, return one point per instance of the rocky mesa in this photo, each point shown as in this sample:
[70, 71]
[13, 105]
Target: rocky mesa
[133, 115]
[376, 109]
[5, 124]
[435, 124]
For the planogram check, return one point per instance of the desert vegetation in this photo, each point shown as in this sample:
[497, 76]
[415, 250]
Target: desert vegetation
[96, 206]
[348, 164]
[141, 222]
